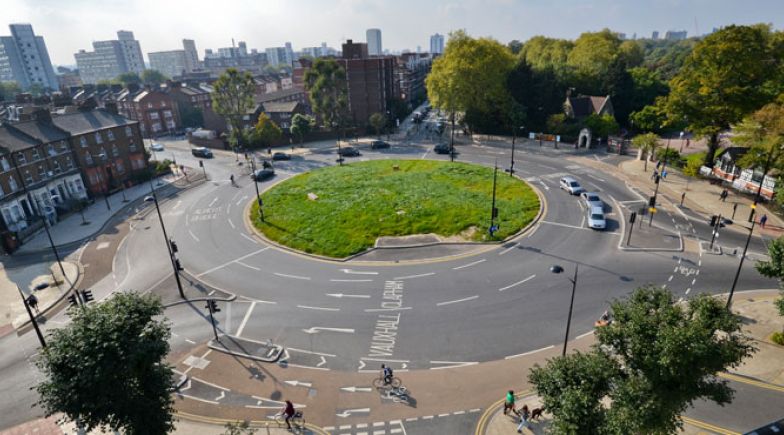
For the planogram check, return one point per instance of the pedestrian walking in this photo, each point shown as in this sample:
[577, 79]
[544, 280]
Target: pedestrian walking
[523, 415]
[658, 164]
[510, 401]
[32, 301]
[654, 175]
[724, 195]
[763, 220]
[664, 174]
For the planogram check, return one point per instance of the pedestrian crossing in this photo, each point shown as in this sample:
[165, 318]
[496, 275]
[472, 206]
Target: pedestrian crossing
[405, 426]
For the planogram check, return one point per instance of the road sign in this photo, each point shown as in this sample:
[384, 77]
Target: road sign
[633, 217]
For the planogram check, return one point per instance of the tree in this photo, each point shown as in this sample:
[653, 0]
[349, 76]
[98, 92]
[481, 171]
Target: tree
[650, 118]
[107, 367]
[514, 46]
[728, 75]
[129, 78]
[661, 357]
[153, 77]
[325, 82]
[774, 268]
[232, 98]
[602, 125]
[191, 117]
[8, 91]
[631, 53]
[592, 55]
[618, 83]
[647, 87]
[266, 131]
[378, 121]
[539, 91]
[543, 53]
[646, 143]
[301, 125]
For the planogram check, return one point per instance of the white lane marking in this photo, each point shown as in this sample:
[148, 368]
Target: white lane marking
[688, 290]
[584, 335]
[307, 307]
[452, 364]
[469, 264]
[228, 314]
[582, 222]
[351, 280]
[248, 266]
[193, 235]
[563, 225]
[379, 310]
[245, 319]
[358, 272]
[544, 185]
[414, 276]
[310, 352]
[670, 279]
[306, 278]
[317, 329]
[232, 261]
[693, 281]
[177, 204]
[248, 237]
[530, 352]
[341, 295]
[213, 202]
[231, 223]
[517, 283]
[470, 298]
[244, 197]
[514, 245]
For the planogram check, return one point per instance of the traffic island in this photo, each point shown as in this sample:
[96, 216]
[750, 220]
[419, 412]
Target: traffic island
[264, 351]
[341, 211]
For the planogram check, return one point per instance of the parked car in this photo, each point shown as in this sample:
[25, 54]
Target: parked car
[262, 174]
[281, 156]
[156, 147]
[442, 148]
[202, 152]
[378, 144]
[571, 185]
[591, 199]
[349, 152]
[596, 219]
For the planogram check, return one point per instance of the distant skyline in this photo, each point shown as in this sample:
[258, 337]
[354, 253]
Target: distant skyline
[70, 26]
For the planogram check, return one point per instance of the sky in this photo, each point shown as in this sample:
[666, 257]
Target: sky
[70, 25]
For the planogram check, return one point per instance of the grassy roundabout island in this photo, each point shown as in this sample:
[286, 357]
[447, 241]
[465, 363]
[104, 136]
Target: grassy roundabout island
[338, 211]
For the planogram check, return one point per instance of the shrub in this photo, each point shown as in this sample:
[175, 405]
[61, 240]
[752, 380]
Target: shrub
[778, 338]
[693, 164]
[673, 156]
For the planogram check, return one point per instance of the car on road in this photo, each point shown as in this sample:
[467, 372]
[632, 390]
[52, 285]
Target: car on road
[596, 219]
[156, 147]
[442, 148]
[571, 185]
[349, 152]
[281, 156]
[202, 152]
[591, 199]
[262, 174]
[378, 144]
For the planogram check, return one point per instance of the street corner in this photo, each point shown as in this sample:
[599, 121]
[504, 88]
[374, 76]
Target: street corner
[497, 420]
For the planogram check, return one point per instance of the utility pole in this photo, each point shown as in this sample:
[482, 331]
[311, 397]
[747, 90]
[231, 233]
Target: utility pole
[514, 138]
[256, 183]
[452, 140]
[740, 264]
[658, 180]
[212, 307]
[493, 210]
[32, 318]
[171, 247]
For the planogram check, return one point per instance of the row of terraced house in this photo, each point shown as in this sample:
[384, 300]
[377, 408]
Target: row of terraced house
[50, 164]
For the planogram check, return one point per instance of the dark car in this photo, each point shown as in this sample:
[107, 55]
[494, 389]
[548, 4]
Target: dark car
[378, 144]
[281, 156]
[201, 152]
[262, 174]
[442, 148]
[348, 152]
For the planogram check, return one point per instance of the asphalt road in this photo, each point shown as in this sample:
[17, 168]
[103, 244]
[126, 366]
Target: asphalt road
[475, 307]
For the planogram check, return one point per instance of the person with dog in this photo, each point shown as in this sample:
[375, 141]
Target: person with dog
[510, 402]
[523, 415]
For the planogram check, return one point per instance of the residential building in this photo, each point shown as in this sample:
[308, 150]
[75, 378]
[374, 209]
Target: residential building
[583, 106]
[371, 81]
[373, 39]
[281, 113]
[437, 44]
[191, 98]
[290, 95]
[232, 57]
[24, 59]
[156, 111]
[110, 59]
[655, 35]
[191, 55]
[172, 63]
[280, 55]
[355, 50]
[673, 35]
[411, 71]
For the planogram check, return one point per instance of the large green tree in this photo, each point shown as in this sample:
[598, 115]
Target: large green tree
[539, 91]
[325, 82]
[153, 77]
[729, 74]
[774, 268]
[107, 368]
[265, 132]
[378, 121]
[647, 143]
[129, 78]
[664, 357]
[232, 98]
[301, 125]
[543, 53]
[593, 54]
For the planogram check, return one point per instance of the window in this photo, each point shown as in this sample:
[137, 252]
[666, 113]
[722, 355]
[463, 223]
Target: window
[131, 147]
[103, 154]
[110, 134]
[20, 158]
[2, 193]
[12, 183]
[115, 151]
[163, 104]
[170, 124]
[50, 149]
[154, 115]
[63, 146]
[83, 141]
[57, 168]
[149, 105]
[41, 172]
[156, 127]
[98, 138]
[36, 156]
[69, 162]
[4, 164]
[128, 132]
[88, 158]
[28, 177]
[120, 167]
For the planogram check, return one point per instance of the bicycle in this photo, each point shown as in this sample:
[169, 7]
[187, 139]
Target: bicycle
[398, 394]
[380, 382]
[297, 420]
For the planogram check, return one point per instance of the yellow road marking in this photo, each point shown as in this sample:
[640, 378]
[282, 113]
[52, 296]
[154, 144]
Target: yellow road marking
[754, 382]
[708, 426]
[480, 426]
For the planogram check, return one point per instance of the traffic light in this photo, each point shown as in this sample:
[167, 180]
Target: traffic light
[633, 217]
[87, 296]
[212, 306]
[177, 265]
[173, 245]
[73, 300]
[713, 220]
[652, 201]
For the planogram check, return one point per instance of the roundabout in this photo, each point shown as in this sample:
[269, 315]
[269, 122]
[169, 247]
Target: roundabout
[340, 211]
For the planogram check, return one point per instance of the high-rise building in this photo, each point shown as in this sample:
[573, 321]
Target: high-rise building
[175, 63]
[655, 35]
[673, 35]
[437, 44]
[373, 38]
[191, 55]
[279, 55]
[110, 59]
[290, 56]
[370, 81]
[25, 60]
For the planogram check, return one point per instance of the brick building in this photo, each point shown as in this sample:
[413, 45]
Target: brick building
[190, 98]
[156, 111]
[371, 81]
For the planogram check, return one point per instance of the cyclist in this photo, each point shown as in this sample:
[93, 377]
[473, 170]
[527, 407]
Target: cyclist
[231, 178]
[288, 411]
[386, 373]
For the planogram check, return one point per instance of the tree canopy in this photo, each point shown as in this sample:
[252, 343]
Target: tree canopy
[232, 98]
[107, 368]
[266, 131]
[378, 121]
[325, 82]
[301, 125]
[593, 53]
[129, 78]
[153, 77]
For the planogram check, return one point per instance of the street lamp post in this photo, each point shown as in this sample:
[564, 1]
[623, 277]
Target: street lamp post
[154, 198]
[493, 210]
[514, 139]
[32, 318]
[452, 140]
[558, 269]
[656, 190]
[740, 264]
[256, 184]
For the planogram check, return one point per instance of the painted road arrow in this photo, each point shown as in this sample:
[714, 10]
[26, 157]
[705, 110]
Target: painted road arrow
[299, 384]
[348, 412]
[357, 272]
[317, 329]
[341, 295]
[357, 389]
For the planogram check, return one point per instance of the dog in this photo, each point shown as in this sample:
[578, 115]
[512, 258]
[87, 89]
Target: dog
[536, 413]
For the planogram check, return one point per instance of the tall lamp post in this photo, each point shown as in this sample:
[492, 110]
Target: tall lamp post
[493, 209]
[170, 246]
[452, 140]
[658, 180]
[32, 318]
[740, 264]
[256, 184]
[102, 156]
[514, 139]
[558, 269]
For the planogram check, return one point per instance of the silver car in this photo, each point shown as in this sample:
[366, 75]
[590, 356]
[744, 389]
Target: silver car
[596, 219]
[591, 199]
[571, 185]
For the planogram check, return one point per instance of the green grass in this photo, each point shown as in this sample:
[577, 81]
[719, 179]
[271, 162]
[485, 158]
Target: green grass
[360, 202]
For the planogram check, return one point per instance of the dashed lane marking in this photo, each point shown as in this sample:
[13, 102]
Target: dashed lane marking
[306, 278]
[248, 237]
[421, 275]
[517, 283]
[470, 298]
[469, 264]
[248, 266]
[231, 223]
[193, 235]
[307, 307]
[530, 352]
[351, 280]
[245, 319]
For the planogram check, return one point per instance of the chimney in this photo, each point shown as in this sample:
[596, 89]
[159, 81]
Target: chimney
[111, 107]
[41, 114]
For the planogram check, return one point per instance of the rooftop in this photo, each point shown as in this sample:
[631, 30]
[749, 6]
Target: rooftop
[85, 122]
[12, 140]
